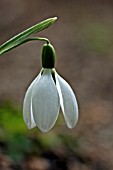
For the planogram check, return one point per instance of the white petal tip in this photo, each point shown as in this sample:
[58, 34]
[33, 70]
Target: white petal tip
[29, 125]
[72, 124]
[44, 130]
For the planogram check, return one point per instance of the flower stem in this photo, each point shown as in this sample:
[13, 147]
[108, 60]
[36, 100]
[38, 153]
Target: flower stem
[36, 38]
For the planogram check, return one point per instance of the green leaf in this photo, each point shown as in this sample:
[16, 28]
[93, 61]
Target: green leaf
[22, 37]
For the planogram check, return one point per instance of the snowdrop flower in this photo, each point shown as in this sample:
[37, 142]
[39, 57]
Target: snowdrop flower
[46, 94]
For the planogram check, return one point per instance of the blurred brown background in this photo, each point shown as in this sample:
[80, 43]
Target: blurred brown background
[83, 38]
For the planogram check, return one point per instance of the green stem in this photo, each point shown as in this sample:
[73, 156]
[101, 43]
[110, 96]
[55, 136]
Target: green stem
[37, 38]
[4, 50]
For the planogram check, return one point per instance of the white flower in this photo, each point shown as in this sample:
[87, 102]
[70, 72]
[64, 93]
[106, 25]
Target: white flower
[43, 99]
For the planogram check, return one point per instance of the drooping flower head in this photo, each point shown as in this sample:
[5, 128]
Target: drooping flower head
[46, 94]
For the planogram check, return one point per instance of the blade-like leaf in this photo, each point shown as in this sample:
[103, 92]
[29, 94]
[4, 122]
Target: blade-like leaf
[21, 38]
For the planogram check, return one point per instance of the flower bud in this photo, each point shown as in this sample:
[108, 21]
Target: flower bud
[48, 56]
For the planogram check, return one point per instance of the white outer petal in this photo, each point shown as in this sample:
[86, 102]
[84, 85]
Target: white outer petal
[68, 101]
[45, 102]
[27, 107]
